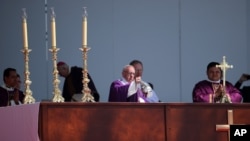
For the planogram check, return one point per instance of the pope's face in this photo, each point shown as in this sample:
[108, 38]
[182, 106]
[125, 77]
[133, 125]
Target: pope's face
[129, 74]
[214, 74]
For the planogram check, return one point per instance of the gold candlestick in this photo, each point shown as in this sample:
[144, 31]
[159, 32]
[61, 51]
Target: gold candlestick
[57, 92]
[87, 97]
[28, 93]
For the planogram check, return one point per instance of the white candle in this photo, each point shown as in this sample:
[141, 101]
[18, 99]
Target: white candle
[84, 28]
[53, 29]
[25, 33]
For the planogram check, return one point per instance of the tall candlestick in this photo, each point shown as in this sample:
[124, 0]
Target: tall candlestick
[87, 97]
[57, 92]
[84, 27]
[53, 28]
[25, 33]
[27, 92]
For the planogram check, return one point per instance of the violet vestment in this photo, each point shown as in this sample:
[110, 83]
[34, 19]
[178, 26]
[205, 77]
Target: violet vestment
[203, 89]
[122, 91]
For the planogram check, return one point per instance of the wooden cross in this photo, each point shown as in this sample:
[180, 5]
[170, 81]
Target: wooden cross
[224, 66]
[226, 127]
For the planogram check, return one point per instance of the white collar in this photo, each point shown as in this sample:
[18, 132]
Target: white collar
[8, 89]
[124, 82]
[218, 81]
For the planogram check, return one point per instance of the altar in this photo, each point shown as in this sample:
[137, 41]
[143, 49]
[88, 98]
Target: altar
[138, 121]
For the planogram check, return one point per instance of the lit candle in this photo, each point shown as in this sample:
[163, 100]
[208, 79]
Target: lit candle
[53, 29]
[25, 33]
[84, 28]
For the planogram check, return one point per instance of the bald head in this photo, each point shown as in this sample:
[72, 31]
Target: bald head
[128, 73]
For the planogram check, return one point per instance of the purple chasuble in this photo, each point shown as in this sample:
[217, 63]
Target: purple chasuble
[119, 93]
[204, 88]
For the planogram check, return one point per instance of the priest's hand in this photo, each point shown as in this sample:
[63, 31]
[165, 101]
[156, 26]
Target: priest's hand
[220, 91]
[16, 97]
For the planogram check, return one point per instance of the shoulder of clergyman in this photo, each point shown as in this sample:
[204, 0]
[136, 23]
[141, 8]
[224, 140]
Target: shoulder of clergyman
[229, 83]
[202, 82]
[119, 82]
[2, 89]
[3, 92]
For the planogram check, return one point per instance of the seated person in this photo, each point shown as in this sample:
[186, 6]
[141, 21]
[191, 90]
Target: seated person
[72, 88]
[212, 91]
[126, 89]
[245, 91]
[9, 94]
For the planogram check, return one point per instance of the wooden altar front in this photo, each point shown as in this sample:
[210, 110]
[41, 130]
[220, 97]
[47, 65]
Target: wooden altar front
[137, 121]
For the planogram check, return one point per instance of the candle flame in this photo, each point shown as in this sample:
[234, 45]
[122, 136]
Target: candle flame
[24, 13]
[85, 14]
[53, 15]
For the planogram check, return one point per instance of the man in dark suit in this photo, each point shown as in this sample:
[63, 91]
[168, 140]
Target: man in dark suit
[73, 82]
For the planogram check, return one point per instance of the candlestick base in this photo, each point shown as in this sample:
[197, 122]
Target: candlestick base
[58, 98]
[87, 97]
[28, 99]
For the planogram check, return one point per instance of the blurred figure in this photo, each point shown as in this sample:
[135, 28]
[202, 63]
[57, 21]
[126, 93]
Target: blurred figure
[72, 88]
[245, 90]
[18, 82]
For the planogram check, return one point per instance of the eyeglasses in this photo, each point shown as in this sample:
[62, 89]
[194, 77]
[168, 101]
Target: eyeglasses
[130, 73]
